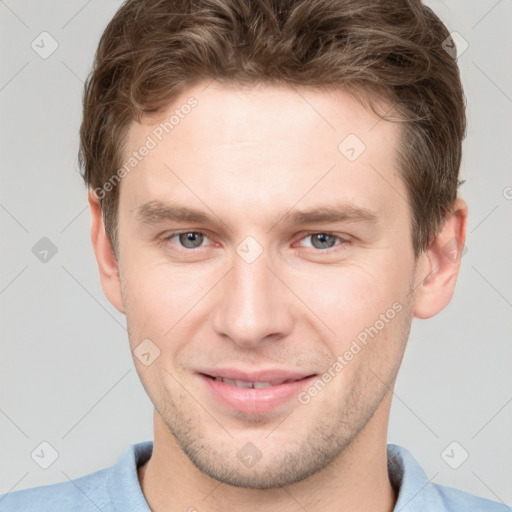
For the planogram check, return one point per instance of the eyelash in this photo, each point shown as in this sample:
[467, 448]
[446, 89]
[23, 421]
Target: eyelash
[342, 241]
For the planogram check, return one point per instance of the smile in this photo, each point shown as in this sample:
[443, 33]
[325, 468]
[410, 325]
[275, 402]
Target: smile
[251, 384]
[259, 393]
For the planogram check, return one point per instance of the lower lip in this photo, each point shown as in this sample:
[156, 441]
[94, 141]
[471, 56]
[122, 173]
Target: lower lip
[255, 401]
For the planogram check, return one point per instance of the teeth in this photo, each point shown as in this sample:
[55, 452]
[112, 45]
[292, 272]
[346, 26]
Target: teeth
[258, 385]
[244, 383]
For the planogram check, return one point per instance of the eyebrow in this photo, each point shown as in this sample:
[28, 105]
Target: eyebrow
[155, 212]
[341, 213]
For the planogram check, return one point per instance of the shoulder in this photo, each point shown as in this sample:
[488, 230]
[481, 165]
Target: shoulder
[455, 500]
[112, 488]
[84, 494]
[417, 493]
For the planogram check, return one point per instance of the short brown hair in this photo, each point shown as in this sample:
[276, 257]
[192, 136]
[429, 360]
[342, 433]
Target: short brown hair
[154, 49]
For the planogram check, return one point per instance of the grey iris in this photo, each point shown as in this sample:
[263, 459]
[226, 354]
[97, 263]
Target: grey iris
[191, 240]
[322, 240]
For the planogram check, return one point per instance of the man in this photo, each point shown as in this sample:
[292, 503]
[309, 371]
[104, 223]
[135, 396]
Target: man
[273, 189]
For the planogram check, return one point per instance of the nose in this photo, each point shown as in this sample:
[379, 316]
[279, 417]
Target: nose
[253, 304]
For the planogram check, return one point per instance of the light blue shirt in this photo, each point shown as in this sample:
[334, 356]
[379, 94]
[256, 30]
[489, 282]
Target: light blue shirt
[117, 489]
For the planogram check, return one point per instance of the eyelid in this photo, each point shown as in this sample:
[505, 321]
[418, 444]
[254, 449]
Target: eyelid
[166, 238]
[343, 239]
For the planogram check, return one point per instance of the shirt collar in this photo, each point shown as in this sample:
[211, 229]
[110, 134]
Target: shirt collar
[123, 485]
[416, 493]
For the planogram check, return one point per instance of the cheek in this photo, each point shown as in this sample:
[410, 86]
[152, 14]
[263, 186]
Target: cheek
[351, 298]
[158, 295]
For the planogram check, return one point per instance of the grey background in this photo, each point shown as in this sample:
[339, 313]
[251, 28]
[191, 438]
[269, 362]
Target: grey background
[66, 373]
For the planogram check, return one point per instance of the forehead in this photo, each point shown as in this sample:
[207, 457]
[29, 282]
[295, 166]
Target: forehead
[264, 147]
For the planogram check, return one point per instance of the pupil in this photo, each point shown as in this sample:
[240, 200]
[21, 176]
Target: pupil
[191, 240]
[324, 241]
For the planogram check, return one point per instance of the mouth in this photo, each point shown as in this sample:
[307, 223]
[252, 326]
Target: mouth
[256, 393]
[253, 384]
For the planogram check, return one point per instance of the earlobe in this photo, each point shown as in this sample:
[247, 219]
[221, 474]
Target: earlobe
[439, 264]
[105, 257]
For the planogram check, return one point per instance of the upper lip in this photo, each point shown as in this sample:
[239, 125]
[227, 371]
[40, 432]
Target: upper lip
[274, 376]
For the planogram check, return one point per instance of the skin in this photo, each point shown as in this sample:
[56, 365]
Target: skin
[246, 156]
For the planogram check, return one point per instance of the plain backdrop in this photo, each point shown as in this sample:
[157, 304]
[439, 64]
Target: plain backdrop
[67, 377]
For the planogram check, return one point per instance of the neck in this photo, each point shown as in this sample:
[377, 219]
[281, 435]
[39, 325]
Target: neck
[357, 480]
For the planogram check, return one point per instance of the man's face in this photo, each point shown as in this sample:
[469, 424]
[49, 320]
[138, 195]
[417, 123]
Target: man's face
[258, 292]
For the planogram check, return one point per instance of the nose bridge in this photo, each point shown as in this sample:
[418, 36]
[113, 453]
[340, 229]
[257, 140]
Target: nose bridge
[252, 306]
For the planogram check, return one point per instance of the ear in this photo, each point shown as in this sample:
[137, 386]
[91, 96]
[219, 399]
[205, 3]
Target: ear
[107, 263]
[438, 266]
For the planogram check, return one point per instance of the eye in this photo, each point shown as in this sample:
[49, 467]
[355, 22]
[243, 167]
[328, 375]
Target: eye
[187, 239]
[323, 240]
